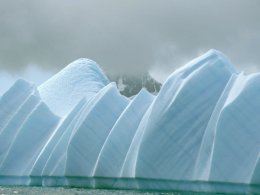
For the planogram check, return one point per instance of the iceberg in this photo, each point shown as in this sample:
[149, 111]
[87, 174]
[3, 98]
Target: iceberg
[199, 133]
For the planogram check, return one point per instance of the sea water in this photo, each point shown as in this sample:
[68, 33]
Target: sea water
[13, 190]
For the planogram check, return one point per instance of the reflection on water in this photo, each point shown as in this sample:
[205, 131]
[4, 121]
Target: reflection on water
[79, 191]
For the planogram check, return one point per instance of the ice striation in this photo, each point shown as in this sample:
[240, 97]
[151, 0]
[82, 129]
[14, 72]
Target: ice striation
[200, 133]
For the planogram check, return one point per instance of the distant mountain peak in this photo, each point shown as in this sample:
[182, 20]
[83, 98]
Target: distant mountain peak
[130, 85]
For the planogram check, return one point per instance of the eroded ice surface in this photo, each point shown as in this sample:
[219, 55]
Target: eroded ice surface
[81, 78]
[201, 132]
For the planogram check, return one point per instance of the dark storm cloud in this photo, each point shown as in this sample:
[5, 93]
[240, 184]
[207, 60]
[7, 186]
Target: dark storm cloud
[127, 35]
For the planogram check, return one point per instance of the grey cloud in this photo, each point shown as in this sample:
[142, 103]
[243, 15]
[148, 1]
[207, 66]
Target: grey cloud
[125, 36]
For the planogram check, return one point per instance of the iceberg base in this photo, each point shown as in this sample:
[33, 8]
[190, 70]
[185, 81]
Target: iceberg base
[131, 184]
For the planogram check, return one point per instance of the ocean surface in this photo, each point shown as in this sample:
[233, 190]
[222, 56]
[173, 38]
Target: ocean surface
[81, 191]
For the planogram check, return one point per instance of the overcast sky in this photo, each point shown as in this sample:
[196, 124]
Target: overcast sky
[38, 38]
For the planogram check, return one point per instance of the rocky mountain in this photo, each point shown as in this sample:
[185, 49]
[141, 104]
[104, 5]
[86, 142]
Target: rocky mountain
[130, 85]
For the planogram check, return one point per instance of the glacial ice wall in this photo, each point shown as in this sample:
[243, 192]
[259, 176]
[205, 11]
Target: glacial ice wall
[202, 130]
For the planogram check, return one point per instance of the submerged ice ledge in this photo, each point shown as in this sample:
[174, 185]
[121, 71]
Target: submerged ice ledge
[201, 132]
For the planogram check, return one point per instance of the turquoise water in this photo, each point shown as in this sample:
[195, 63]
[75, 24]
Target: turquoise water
[79, 191]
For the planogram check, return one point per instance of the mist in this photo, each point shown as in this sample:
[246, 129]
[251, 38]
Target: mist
[126, 36]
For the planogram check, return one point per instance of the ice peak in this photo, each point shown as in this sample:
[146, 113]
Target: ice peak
[83, 67]
[81, 78]
[21, 83]
[217, 55]
[211, 59]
